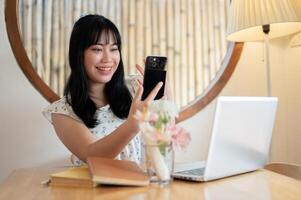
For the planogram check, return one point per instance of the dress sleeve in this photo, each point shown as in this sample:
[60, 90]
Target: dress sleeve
[60, 107]
[132, 84]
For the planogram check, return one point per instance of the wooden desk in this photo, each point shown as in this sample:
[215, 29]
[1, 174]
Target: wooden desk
[26, 184]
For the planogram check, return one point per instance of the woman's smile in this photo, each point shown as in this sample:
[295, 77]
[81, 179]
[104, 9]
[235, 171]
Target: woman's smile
[104, 68]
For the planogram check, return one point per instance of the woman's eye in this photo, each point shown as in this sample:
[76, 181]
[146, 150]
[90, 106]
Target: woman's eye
[97, 49]
[114, 49]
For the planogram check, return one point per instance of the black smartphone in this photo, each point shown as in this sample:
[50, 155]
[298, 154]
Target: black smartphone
[154, 72]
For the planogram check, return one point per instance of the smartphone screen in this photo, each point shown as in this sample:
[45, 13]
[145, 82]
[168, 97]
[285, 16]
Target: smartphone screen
[154, 72]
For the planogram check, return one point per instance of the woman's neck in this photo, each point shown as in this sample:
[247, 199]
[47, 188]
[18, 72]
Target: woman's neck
[97, 95]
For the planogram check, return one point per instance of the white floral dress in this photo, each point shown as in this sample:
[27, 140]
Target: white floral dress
[108, 122]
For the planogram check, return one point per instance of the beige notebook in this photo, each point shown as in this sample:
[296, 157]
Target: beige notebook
[75, 177]
[116, 172]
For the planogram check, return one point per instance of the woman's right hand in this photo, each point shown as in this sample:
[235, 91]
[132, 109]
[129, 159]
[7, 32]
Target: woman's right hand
[138, 104]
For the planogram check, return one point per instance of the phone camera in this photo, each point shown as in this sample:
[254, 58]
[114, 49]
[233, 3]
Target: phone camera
[154, 63]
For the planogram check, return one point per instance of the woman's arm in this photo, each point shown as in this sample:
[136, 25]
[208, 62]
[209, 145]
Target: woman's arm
[79, 140]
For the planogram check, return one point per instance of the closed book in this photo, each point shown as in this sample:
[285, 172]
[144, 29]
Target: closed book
[74, 177]
[116, 172]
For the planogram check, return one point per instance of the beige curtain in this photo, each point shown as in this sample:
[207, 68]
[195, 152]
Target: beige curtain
[191, 33]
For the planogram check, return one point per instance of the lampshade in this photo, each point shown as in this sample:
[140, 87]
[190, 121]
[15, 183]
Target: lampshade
[246, 18]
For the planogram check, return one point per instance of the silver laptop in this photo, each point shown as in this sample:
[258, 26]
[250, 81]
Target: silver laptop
[240, 140]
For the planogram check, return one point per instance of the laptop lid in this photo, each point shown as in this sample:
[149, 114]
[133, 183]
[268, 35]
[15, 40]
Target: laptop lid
[241, 135]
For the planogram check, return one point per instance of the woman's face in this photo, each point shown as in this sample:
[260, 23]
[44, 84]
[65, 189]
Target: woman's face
[102, 59]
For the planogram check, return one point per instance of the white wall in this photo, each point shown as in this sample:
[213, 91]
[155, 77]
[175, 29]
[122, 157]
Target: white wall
[27, 139]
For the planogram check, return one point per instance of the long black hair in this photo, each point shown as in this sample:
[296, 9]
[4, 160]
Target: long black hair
[86, 32]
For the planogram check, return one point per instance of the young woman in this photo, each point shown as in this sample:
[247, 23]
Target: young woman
[96, 115]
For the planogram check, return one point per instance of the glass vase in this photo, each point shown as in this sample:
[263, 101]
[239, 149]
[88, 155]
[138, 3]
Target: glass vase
[159, 163]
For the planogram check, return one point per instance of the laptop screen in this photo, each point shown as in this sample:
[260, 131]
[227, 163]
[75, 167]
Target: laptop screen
[241, 135]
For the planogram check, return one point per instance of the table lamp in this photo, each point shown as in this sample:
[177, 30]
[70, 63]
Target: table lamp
[261, 20]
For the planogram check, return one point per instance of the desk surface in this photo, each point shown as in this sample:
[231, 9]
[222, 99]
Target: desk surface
[26, 184]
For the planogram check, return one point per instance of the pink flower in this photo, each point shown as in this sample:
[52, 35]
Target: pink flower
[179, 136]
[157, 124]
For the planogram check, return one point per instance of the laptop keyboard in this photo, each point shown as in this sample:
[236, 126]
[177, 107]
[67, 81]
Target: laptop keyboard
[195, 172]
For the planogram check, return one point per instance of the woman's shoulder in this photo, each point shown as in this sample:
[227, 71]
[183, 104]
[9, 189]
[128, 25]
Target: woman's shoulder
[60, 106]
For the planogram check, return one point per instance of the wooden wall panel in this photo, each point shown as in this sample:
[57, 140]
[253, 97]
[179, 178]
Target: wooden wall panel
[191, 33]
